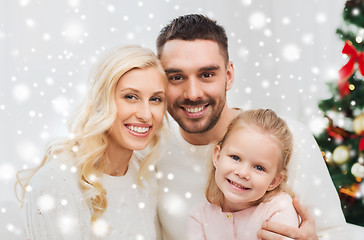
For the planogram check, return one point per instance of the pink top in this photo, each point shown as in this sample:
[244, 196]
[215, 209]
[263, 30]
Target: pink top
[209, 222]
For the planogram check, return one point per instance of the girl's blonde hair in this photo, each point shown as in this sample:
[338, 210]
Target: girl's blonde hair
[267, 121]
[91, 122]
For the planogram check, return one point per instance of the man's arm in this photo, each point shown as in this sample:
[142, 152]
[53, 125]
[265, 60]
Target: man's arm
[306, 231]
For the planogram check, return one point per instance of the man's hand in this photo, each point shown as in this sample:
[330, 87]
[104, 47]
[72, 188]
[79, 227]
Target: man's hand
[277, 231]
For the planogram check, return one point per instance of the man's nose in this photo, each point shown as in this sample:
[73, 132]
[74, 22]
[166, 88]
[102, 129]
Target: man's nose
[194, 90]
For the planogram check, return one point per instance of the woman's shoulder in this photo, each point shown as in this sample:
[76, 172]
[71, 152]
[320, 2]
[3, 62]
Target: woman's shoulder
[55, 174]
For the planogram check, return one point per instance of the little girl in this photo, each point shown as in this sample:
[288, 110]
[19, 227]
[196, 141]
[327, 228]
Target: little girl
[247, 181]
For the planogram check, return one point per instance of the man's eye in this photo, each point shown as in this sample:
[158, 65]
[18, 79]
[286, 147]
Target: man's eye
[235, 158]
[175, 78]
[207, 75]
[259, 168]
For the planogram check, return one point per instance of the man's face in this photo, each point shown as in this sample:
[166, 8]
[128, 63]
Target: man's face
[198, 81]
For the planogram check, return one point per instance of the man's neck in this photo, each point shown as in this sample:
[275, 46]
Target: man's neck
[216, 133]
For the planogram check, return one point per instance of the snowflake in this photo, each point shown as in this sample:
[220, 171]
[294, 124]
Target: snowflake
[257, 20]
[21, 92]
[291, 52]
[100, 227]
[46, 202]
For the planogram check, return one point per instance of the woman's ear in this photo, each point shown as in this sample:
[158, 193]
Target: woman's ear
[216, 154]
[276, 181]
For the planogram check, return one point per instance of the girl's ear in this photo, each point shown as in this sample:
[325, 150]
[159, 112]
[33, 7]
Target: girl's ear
[276, 181]
[216, 154]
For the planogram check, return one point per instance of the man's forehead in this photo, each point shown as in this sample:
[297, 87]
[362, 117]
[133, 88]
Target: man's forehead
[178, 54]
[179, 46]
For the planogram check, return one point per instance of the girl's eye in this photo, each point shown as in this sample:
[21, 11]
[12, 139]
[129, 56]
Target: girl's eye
[259, 168]
[235, 158]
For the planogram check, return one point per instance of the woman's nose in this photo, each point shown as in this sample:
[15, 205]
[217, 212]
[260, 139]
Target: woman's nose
[143, 112]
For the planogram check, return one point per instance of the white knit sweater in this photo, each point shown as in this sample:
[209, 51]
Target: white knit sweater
[54, 208]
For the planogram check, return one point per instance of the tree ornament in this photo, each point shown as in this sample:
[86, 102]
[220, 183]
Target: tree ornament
[348, 69]
[358, 124]
[341, 154]
[358, 170]
[361, 188]
[327, 157]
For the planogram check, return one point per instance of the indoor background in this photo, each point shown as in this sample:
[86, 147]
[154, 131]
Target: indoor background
[284, 53]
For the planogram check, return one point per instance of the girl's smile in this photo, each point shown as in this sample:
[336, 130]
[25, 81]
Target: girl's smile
[245, 170]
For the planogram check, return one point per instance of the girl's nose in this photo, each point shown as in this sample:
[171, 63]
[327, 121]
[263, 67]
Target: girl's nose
[243, 171]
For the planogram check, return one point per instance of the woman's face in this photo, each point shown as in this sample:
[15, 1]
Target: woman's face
[140, 100]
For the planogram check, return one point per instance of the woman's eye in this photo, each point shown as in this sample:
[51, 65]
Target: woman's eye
[156, 99]
[235, 158]
[130, 97]
[259, 168]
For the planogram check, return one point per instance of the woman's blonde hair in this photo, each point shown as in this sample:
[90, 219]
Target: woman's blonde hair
[91, 122]
[268, 122]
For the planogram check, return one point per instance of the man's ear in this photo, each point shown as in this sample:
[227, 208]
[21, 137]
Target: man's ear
[229, 75]
[276, 181]
[216, 154]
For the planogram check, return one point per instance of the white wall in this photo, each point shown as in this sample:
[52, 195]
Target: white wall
[284, 51]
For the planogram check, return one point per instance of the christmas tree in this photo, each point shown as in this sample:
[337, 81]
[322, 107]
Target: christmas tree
[342, 142]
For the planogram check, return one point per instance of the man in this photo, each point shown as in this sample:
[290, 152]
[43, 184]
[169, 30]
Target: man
[194, 53]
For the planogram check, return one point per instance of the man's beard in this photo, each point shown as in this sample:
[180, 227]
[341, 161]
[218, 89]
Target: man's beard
[191, 125]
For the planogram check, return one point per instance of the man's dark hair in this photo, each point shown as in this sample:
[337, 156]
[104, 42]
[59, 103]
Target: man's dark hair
[191, 27]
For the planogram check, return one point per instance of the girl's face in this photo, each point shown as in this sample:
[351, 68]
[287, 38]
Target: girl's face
[246, 167]
[140, 101]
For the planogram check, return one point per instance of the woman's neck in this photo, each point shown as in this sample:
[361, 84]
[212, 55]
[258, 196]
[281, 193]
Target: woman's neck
[117, 160]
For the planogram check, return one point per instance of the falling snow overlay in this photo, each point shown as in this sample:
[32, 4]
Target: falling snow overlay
[284, 52]
[342, 123]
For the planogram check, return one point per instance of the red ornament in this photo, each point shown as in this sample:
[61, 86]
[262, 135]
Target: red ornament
[348, 70]
[361, 144]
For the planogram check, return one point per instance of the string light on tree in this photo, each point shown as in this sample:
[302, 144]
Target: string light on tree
[341, 154]
[358, 124]
[358, 168]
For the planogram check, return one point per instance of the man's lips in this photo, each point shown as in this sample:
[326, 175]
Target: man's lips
[237, 185]
[194, 111]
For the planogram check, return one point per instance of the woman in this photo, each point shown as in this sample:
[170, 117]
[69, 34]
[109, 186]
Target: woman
[92, 184]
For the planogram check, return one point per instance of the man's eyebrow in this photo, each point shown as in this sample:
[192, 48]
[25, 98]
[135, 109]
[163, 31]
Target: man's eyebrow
[172, 70]
[209, 68]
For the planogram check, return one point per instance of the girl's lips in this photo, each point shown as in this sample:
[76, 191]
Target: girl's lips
[237, 185]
